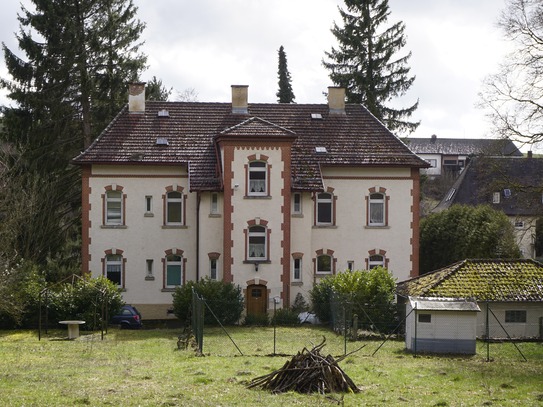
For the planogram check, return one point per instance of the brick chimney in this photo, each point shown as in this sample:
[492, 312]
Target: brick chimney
[239, 99]
[136, 97]
[336, 100]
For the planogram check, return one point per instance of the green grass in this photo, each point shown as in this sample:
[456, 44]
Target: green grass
[145, 368]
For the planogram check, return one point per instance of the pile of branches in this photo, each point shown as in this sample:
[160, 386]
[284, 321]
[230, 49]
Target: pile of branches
[308, 372]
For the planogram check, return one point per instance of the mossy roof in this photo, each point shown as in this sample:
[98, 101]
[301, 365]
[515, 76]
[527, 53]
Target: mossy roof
[483, 280]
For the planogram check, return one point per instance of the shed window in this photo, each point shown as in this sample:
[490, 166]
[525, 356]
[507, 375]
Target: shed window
[515, 316]
[425, 318]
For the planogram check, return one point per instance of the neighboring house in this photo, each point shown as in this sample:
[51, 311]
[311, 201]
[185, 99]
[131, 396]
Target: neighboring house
[441, 325]
[450, 155]
[508, 292]
[271, 197]
[511, 185]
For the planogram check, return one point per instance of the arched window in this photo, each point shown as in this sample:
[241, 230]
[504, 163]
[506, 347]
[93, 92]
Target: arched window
[174, 271]
[114, 208]
[174, 208]
[324, 264]
[257, 244]
[376, 210]
[325, 202]
[257, 178]
[114, 269]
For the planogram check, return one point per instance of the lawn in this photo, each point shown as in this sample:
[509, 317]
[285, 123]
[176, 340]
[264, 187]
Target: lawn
[145, 368]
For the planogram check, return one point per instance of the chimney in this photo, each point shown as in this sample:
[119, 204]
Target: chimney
[239, 99]
[434, 138]
[136, 97]
[530, 154]
[336, 100]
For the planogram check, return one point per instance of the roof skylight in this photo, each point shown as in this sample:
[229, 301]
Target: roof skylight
[162, 141]
[321, 150]
[316, 116]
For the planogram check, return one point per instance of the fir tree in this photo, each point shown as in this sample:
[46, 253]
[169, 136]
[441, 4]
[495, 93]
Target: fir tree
[284, 94]
[365, 62]
[70, 82]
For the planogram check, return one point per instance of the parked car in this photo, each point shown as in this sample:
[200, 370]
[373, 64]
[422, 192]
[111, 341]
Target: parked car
[128, 317]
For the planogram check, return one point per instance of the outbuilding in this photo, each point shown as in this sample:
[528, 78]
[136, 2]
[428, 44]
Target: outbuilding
[441, 325]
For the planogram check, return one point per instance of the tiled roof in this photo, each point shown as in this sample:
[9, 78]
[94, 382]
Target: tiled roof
[482, 280]
[518, 180]
[354, 139]
[463, 146]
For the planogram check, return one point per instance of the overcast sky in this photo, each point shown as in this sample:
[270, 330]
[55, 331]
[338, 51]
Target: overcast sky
[209, 45]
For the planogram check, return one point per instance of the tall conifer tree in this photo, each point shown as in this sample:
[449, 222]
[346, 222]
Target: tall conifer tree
[70, 82]
[365, 62]
[285, 93]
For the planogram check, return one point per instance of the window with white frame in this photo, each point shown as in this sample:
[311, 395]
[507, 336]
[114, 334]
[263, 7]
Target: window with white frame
[256, 243]
[496, 198]
[376, 260]
[297, 203]
[213, 269]
[174, 271]
[325, 208]
[174, 208]
[297, 269]
[376, 209]
[324, 264]
[214, 203]
[425, 318]
[114, 269]
[433, 162]
[114, 208]
[257, 178]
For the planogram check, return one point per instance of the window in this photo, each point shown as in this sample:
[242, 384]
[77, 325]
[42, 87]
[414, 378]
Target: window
[214, 203]
[149, 267]
[515, 316]
[174, 271]
[297, 203]
[114, 208]
[433, 162]
[114, 269]
[148, 204]
[297, 270]
[174, 208]
[324, 208]
[377, 209]
[496, 198]
[257, 243]
[519, 224]
[257, 178]
[425, 318]
[376, 260]
[213, 269]
[324, 264]
[350, 265]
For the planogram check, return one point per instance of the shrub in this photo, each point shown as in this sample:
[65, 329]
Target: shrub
[367, 293]
[286, 317]
[225, 299]
[256, 320]
[300, 305]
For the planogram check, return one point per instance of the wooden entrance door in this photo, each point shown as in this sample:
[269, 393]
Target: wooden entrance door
[257, 299]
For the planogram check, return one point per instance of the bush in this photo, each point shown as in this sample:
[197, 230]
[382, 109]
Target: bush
[225, 299]
[285, 317]
[367, 293]
[300, 305]
[83, 300]
[256, 320]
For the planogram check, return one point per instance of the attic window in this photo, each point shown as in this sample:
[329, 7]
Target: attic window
[507, 192]
[316, 116]
[163, 113]
[162, 141]
[321, 150]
